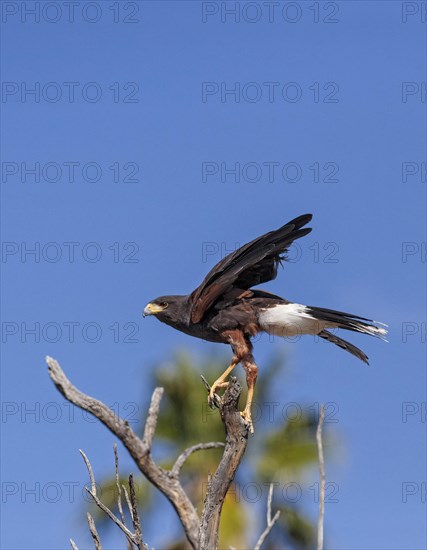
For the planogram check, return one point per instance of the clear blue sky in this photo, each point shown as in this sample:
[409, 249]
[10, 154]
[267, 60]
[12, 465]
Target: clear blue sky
[328, 117]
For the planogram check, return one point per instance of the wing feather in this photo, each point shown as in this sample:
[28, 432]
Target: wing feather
[254, 263]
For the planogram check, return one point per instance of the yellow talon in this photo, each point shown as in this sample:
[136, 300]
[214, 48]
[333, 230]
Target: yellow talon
[220, 382]
[215, 387]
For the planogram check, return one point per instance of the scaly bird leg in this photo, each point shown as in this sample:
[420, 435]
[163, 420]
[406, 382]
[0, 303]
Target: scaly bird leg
[251, 376]
[220, 382]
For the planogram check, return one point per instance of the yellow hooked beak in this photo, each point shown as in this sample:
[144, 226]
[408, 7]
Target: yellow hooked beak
[152, 309]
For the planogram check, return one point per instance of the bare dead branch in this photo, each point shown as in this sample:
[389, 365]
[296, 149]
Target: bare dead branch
[140, 450]
[135, 516]
[152, 415]
[236, 441]
[118, 488]
[73, 545]
[104, 508]
[119, 491]
[89, 469]
[94, 532]
[179, 462]
[110, 514]
[321, 516]
[270, 521]
[127, 499]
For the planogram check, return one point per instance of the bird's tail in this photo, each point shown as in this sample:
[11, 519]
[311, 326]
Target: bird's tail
[348, 322]
[344, 345]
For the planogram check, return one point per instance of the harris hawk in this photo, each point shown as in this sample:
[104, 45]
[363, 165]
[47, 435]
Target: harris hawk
[226, 309]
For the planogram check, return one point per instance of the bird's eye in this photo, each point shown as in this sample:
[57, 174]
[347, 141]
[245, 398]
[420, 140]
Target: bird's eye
[163, 304]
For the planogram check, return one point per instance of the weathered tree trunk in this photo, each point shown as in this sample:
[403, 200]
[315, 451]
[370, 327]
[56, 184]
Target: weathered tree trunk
[236, 440]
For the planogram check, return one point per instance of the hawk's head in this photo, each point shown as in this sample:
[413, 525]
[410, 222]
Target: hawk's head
[168, 309]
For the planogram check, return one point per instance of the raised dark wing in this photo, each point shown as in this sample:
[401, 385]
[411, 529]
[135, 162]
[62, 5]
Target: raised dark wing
[252, 264]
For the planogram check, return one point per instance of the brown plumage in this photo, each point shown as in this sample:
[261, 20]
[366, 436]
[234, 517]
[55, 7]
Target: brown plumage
[225, 309]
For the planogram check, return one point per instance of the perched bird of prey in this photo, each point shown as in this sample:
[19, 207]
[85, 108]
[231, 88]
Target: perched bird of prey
[226, 309]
